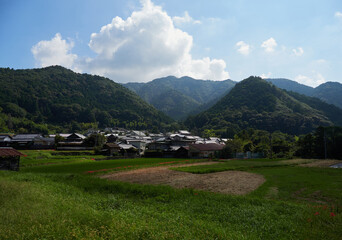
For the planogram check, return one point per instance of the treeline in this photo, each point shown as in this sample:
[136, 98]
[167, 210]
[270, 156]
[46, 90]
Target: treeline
[268, 145]
[324, 142]
[8, 123]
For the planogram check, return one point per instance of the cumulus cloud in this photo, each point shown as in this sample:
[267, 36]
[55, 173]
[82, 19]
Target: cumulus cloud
[54, 52]
[315, 80]
[269, 45]
[298, 51]
[243, 48]
[185, 19]
[145, 46]
[338, 15]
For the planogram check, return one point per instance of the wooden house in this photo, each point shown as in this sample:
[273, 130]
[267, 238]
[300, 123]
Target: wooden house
[111, 149]
[24, 141]
[9, 159]
[40, 142]
[111, 138]
[73, 141]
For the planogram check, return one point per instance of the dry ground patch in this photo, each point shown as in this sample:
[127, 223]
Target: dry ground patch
[229, 182]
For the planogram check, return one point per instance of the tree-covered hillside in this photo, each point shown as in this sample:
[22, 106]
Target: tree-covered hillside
[258, 104]
[329, 92]
[60, 97]
[178, 97]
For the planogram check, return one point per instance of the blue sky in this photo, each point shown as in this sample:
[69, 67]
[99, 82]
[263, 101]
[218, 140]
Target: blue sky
[141, 40]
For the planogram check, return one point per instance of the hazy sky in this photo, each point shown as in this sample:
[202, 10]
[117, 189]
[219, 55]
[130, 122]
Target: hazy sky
[141, 40]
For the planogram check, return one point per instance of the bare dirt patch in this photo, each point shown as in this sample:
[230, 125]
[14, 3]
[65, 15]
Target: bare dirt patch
[228, 182]
[321, 163]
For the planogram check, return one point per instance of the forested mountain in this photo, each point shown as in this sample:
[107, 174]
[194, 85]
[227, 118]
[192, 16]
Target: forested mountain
[258, 104]
[329, 92]
[177, 97]
[60, 97]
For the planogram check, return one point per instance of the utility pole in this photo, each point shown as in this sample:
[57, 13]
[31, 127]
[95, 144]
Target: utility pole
[325, 144]
[271, 144]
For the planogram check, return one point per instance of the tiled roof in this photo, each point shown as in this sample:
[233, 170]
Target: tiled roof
[9, 152]
[207, 146]
[24, 137]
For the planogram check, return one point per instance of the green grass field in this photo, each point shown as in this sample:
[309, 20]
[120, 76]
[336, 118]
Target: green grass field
[61, 197]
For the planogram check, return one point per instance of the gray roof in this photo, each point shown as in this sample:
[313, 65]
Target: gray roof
[25, 137]
[78, 135]
[126, 146]
[4, 138]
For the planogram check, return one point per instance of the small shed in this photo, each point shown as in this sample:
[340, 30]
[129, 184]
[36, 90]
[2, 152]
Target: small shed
[9, 159]
[182, 152]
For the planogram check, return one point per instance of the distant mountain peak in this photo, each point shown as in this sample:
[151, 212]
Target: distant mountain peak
[179, 97]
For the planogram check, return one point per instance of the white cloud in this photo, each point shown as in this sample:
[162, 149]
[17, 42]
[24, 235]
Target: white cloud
[266, 75]
[54, 52]
[269, 45]
[298, 51]
[145, 46]
[185, 19]
[243, 48]
[338, 15]
[313, 81]
[148, 45]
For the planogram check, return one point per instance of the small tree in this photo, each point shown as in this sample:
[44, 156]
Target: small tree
[58, 138]
[207, 133]
[95, 140]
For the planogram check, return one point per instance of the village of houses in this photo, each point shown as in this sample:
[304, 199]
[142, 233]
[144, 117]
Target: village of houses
[122, 143]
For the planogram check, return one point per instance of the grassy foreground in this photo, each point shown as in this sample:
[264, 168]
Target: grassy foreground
[64, 201]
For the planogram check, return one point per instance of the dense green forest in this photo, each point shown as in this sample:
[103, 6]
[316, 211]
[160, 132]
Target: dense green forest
[255, 103]
[178, 97]
[56, 99]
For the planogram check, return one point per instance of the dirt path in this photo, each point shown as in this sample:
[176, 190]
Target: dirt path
[229, 182]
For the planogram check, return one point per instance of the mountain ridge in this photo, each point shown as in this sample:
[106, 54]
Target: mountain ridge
[329, 92]
[256, 103]
[186, 89]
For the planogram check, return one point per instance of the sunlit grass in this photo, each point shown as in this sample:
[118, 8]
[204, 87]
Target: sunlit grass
[63, 201]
